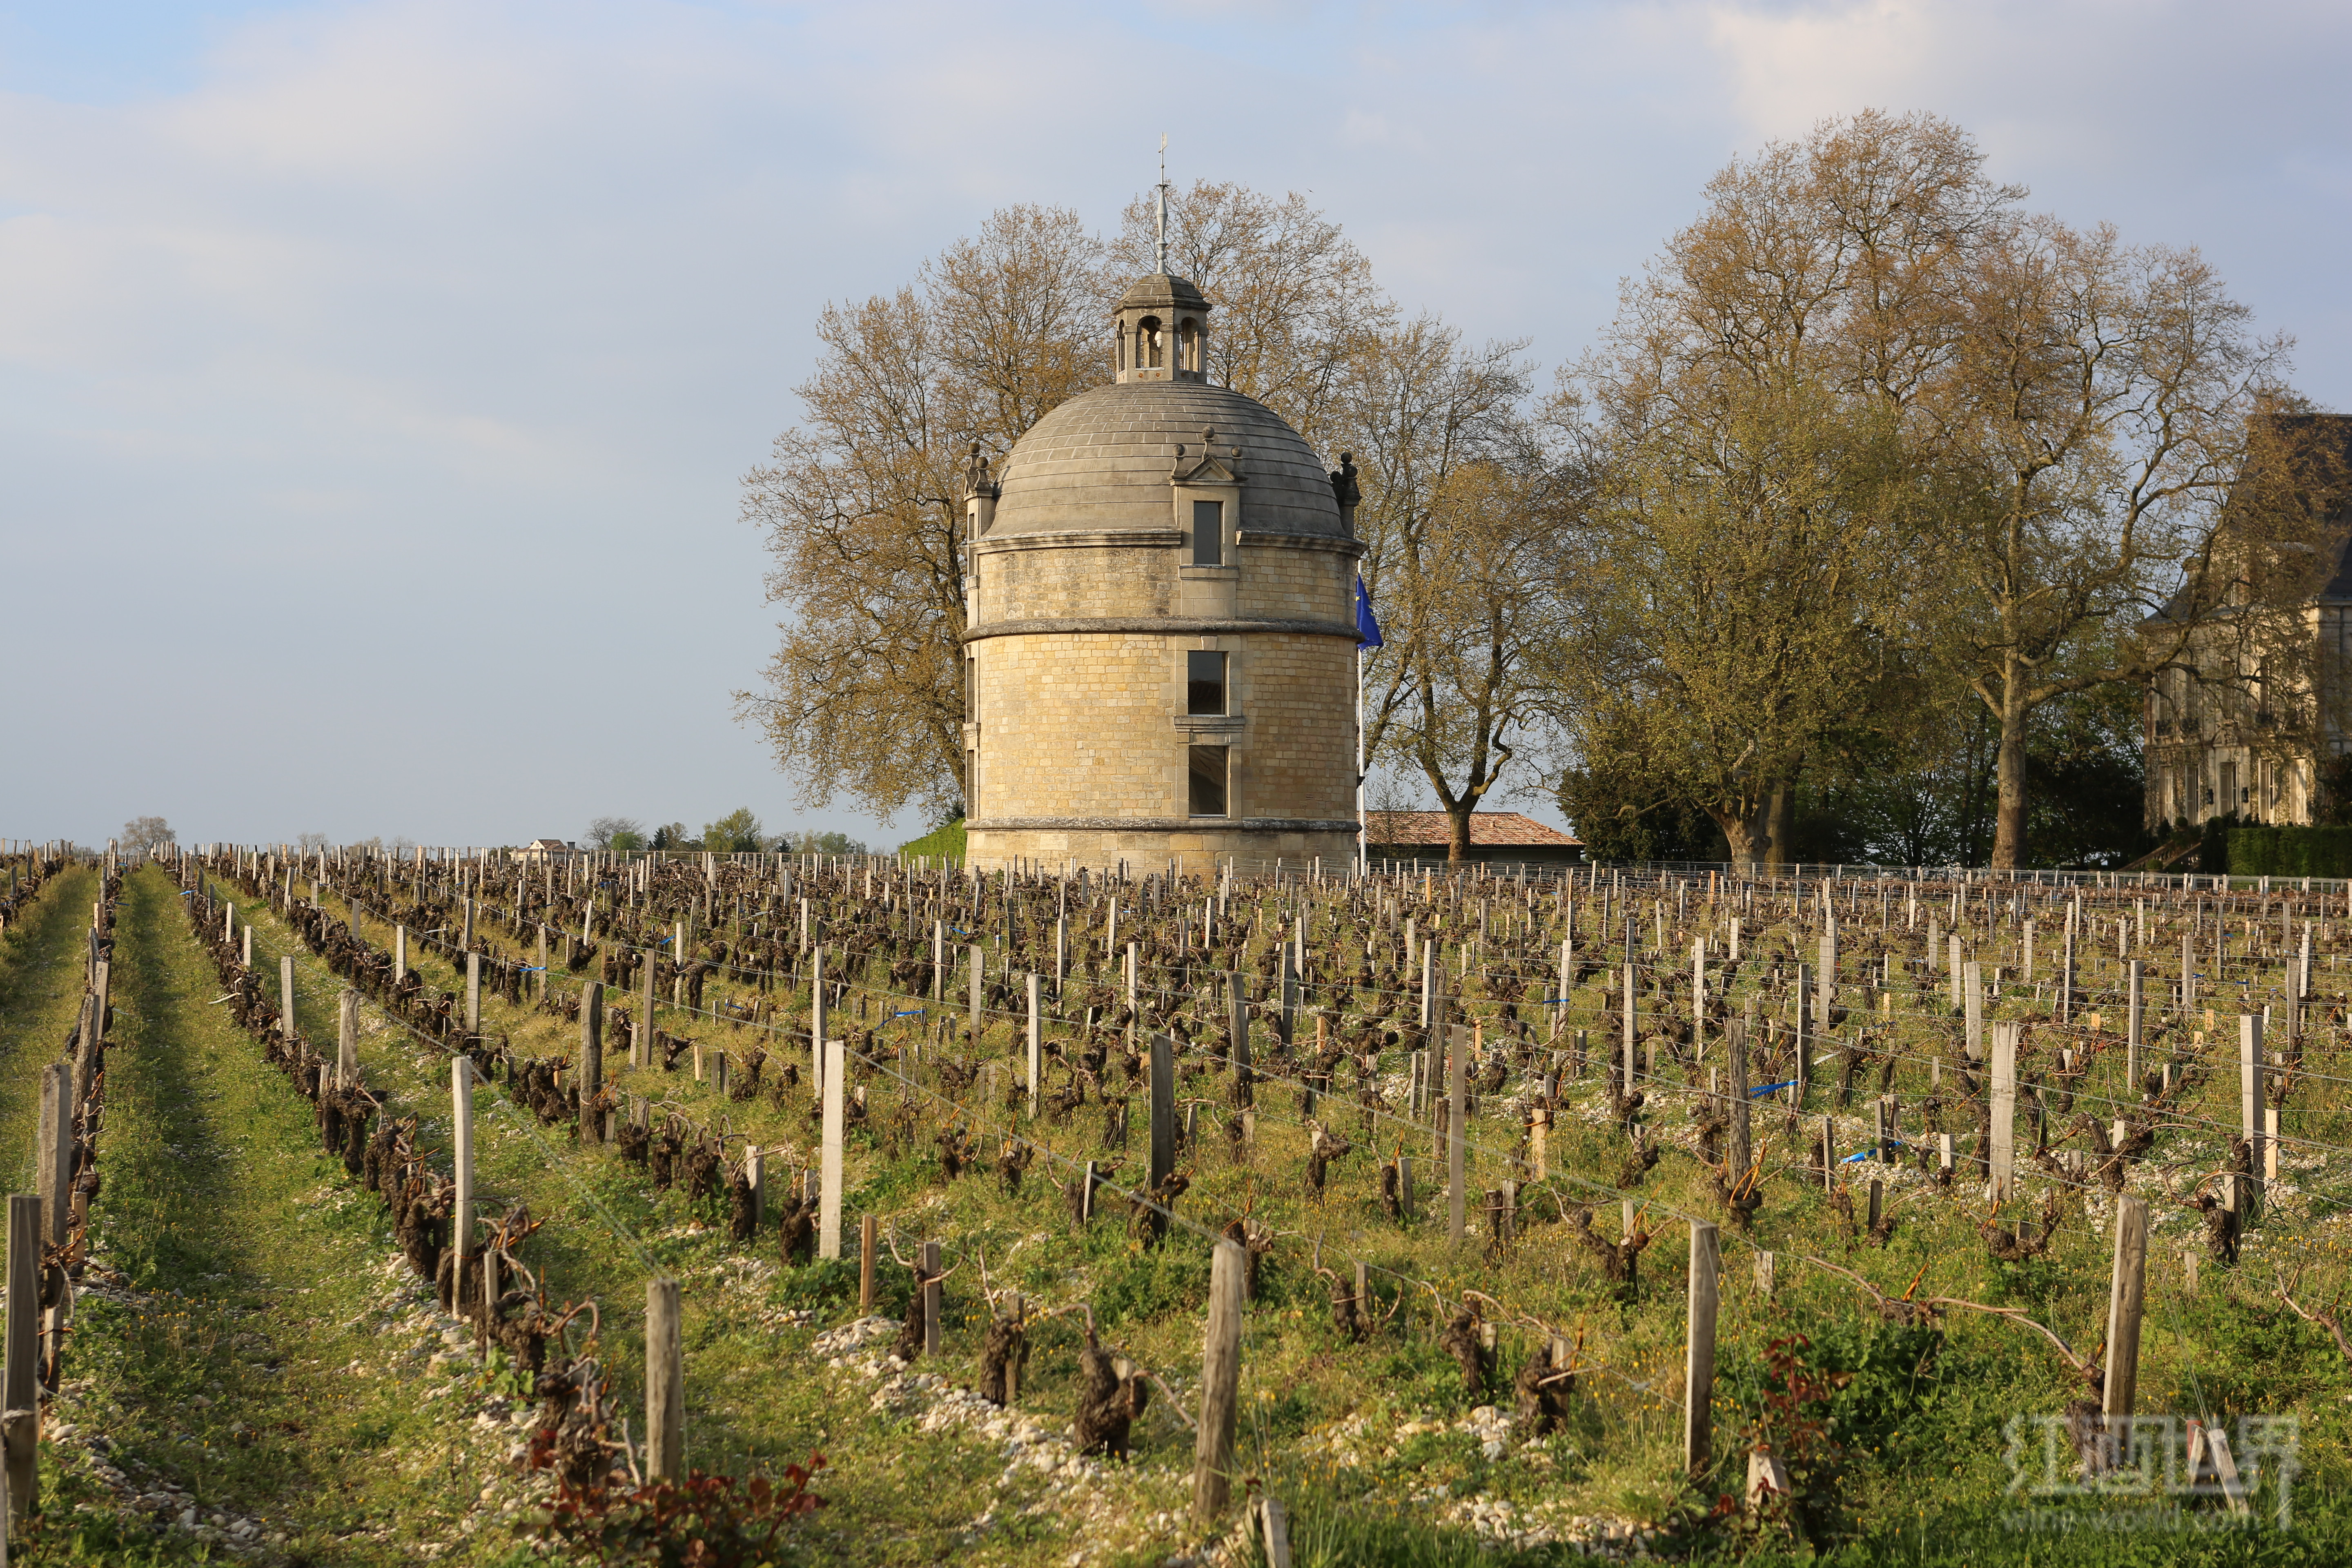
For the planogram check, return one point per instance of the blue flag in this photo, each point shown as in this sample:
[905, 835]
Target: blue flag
[1368, 625]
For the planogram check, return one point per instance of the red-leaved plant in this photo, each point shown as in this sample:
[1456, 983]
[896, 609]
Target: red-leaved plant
[702, 1521]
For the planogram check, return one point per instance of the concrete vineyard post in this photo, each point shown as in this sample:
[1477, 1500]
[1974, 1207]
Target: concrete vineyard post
[2126, 1294]
[2135, 1008]
[1631, 1067]
[2004, 1111]
[1698, 1385]
[473, 993]
[975, 981]
[828, 1221]
[665, 1384]
[399, 955]
[286, 997]
[1036, 1042]
[1220, 1376]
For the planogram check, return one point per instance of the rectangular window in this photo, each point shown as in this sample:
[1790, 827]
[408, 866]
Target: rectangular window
[1208, 781]
[1208, 533]
[1204, 682]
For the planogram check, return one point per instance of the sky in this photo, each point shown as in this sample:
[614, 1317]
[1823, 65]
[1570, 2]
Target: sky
[376, 380]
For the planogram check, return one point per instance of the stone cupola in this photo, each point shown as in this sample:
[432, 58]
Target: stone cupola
[1163, 330]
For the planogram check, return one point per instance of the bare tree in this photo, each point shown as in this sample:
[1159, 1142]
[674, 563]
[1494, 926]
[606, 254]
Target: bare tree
[604, 829]
[2091, 449]
[146, 835]
[860, 503]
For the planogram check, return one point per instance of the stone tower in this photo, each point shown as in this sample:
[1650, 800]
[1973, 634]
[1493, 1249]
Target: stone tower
[1161, 652]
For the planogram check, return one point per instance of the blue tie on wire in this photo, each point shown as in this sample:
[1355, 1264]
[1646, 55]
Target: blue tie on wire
[1770, 1088]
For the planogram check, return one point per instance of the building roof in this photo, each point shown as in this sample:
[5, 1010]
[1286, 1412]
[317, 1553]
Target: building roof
[1162, 289]
[1487, 828]
[1103, 459]
[547, 844]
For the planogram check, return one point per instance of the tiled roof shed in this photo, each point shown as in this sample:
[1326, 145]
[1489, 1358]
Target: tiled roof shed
[1495, 835]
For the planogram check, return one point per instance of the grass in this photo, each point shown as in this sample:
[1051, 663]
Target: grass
[946, 839]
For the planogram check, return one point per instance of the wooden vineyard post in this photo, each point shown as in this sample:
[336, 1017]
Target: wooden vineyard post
[931, 1300]
[1804, 1065]
[1698, 1387]
[755, 1176]
[20, 1425]
[461, 1121]
[286, 997]
[592, 1039]
[2127, 1293]
[347, 1039]
[2004, 1111]
[2250, 1091]
[641, 1039]
[665, 1384]
[1163, 1108]
[828, 1214]
[399, 955]
[1455, 1044]
[1221, 1377]
[473, 993]
[869, 1231]
[53, 1153]
[541, 987]
[1742, 1152]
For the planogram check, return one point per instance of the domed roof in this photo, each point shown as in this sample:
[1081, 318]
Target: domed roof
[1103, 459]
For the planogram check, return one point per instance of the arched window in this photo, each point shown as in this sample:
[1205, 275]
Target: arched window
[1188, 345]
[1149, 351]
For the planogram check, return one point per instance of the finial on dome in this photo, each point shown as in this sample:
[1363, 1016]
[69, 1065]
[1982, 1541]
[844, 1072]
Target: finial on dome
[1163, 203]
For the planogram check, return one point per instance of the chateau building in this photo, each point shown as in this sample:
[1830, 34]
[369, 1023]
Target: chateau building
[1159, 653]
[2236, 741]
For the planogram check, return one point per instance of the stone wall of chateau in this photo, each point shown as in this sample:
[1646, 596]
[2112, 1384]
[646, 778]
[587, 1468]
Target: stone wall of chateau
[1198, 852]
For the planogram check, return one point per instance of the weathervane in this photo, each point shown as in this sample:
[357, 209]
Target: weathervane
[1163, 201]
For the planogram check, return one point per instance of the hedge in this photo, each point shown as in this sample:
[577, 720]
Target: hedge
[2290, 852]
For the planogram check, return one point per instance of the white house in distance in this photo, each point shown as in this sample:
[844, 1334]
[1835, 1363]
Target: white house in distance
[543, 848]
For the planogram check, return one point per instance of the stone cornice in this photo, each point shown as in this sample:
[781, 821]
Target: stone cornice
[1087, 539]
[1352, 547]
[1163, 625]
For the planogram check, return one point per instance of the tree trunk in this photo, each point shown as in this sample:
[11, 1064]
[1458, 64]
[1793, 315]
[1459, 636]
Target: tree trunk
[2008, 813]
[1742, 833]
[1457, 817]
[1780, 824]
